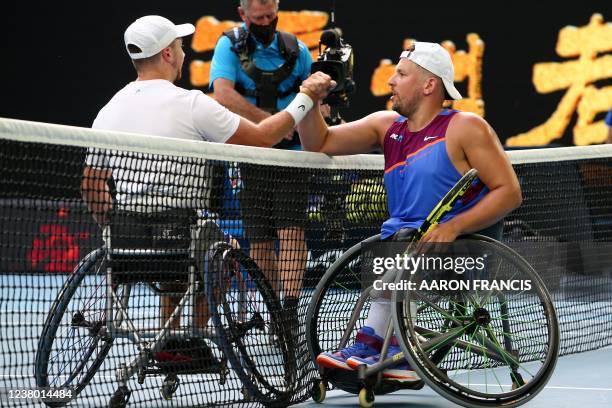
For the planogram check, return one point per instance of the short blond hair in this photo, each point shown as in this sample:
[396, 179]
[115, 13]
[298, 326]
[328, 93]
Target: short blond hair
[144, 64]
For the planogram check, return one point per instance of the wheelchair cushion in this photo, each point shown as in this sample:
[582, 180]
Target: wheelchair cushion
[167, 235]
[165, 230]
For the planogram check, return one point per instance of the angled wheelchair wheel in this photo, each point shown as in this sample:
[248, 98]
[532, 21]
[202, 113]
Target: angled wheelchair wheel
[329, 314]
[479, 344]
[72, 345]
[248, 321]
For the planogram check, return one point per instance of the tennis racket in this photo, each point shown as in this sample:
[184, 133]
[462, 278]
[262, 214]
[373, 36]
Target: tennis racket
[446, 204]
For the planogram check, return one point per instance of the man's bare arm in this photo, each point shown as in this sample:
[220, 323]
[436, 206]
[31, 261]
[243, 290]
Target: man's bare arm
[226, 94]
[272, 130]
[266, 133]
[360, 136]
[95, 192]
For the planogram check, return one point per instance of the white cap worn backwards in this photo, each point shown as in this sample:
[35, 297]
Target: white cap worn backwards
[435, 59]
[151, 34]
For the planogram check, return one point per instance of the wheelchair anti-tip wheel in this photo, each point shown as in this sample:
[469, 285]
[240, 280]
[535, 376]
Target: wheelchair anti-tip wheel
[318, 391]
[169, 386]
[72, 345]
[366, 398]
[482, 345]
[120, 398]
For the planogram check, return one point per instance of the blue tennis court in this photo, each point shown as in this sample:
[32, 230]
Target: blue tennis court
[581, 379]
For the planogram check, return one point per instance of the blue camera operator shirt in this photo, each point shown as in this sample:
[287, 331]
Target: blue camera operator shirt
[225, 64]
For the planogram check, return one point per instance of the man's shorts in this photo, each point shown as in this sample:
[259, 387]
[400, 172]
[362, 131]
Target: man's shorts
[271, 199]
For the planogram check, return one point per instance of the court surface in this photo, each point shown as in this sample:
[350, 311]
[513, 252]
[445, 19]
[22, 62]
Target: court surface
[581, 380]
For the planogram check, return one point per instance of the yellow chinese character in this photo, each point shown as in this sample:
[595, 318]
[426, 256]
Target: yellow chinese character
[467, 66]
[577, 77]
[306, 25]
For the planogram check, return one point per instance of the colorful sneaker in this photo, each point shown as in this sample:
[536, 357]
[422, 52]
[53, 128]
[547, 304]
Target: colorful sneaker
[367, 344]
[401, 372]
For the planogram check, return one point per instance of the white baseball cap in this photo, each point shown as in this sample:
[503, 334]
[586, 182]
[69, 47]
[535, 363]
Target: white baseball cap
[151, 34]
[435, 59]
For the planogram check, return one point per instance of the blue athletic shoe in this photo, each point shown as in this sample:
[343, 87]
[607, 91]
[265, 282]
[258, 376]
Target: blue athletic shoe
[401, 372]
[367, 344]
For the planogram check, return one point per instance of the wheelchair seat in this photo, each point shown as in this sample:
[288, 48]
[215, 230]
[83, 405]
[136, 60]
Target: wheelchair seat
[150, 247]
[142, 265]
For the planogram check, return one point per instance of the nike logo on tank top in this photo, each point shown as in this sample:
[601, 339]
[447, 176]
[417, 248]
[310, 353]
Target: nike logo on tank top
[418, 173]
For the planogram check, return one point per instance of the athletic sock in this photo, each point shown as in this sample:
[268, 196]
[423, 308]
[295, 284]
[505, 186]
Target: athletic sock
[378, 318]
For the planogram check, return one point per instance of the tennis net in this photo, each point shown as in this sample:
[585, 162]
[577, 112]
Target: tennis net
[100, 231]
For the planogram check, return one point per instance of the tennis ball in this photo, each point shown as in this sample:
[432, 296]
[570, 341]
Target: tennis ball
[367, 201]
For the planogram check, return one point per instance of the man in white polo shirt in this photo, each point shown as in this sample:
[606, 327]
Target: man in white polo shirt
[146, 185]
[153, 105]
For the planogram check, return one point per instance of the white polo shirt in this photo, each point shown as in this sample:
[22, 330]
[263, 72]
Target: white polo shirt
[152, 183]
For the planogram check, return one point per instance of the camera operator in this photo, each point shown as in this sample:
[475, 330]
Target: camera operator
[256, 71]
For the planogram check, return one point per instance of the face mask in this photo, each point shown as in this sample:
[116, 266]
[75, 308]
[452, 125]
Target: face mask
[264, 33]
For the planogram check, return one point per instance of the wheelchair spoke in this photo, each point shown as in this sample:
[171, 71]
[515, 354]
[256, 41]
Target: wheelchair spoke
[449, 350]
[492, 370]
[443, 338]
[486, 298]
[533, 356]
[469, 348]
[436, 307]
[520, 321]
[462, 344]
[494, 347]
[71, 359]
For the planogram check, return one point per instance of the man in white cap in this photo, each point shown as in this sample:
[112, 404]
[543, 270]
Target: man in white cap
[427, 149]
[154, 106]
[146, 185]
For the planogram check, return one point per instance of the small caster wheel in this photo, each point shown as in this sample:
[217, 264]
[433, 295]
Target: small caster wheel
[245, 393]
[141, 377]
[223, 372]
[318, 391]
[169, 387]
[120, 398]
[366, 398]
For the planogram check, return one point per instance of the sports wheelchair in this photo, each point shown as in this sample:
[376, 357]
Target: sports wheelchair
[95, 307]
[477, 348]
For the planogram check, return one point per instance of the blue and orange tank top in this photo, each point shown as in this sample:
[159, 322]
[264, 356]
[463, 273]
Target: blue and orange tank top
[418, 173]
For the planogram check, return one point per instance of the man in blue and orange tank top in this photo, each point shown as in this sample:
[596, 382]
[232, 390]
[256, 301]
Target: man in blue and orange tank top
[427, 149]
